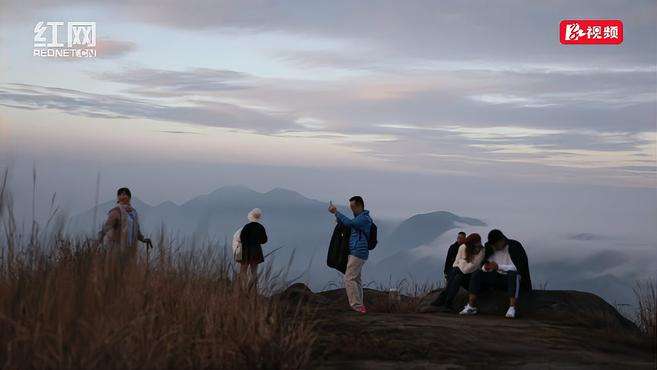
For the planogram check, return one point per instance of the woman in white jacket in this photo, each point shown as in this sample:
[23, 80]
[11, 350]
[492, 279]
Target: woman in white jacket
[468, 260]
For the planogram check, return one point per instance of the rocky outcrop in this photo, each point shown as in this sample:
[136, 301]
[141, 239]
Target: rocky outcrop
[558, 329]
[548, 305]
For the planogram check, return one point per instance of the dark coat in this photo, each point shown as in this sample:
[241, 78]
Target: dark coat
[252, 237]
[338, 252]
[519, 259]
[451, 256]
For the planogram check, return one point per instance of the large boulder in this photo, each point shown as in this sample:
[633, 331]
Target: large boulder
[549, 305]
[374, 300]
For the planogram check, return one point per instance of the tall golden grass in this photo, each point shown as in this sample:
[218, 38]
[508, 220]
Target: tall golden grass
[646, 315]
[71, 304]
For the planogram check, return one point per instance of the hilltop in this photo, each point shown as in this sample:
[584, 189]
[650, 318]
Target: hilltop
[559, 329]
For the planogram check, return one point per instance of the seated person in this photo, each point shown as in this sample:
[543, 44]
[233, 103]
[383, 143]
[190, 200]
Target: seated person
[449, 263]
[468, 259]
[451, 253]
[505, 268]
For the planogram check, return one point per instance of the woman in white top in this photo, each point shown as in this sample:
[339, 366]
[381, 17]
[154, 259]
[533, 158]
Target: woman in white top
[468, 260]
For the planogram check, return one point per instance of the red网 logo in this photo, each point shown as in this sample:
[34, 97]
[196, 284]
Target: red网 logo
[80, 40]
[591, 31]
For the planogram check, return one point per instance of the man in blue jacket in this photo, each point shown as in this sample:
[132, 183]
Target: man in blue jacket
[358, 249]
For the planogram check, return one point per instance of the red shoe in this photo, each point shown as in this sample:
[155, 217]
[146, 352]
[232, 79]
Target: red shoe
[361, 309]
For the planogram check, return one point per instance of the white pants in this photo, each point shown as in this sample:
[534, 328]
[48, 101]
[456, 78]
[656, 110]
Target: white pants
[352, 281]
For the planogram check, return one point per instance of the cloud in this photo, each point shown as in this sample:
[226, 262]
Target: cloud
[214, 114]
[423, 121]
[179, 132]
[508, 31]
[109, 49]
[156, 82]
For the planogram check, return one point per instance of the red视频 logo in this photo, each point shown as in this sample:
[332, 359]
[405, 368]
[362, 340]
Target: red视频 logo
[591, 31]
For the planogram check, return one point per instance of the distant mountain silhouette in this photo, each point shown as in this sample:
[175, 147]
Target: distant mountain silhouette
[294, 223]
[299, 225]
[423, 229]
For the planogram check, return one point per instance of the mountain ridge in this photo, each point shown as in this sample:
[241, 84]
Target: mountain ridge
[301, 226]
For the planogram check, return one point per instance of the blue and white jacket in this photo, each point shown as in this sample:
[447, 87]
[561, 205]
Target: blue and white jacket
[360, 233]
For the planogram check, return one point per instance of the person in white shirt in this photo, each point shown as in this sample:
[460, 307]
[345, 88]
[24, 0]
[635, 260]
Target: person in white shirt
[505, 268]
[468, 259]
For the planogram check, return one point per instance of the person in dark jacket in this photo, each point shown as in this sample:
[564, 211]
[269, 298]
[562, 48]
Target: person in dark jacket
[252, 236]
[451, 253]
[505, 268]
[449, 262]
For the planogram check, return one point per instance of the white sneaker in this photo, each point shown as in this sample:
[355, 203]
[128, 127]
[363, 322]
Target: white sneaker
[511, 312]
[468, 310]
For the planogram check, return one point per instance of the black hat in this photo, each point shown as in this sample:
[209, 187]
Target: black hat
[495, 235]
[125, 191]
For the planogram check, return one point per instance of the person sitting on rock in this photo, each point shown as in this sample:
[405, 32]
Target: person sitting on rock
[452, 252]
[468, 259]
[447, 267]
[505, 268]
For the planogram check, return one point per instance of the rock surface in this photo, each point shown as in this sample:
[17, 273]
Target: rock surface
[558, 329]
[546, 305]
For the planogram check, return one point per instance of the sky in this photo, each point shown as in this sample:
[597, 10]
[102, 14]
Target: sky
[473, 107]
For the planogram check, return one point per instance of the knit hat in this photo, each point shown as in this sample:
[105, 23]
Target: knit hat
[473, 239]
[495, 235]
[254, 215]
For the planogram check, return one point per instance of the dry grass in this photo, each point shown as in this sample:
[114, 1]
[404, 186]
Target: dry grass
[84, 307]
[646, 316]
[404, 296]
[70, 304]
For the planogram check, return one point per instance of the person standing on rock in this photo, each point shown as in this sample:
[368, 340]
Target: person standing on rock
[251, 238]
[505, 268]
[121, 229]
[468, 259]
[361, 226]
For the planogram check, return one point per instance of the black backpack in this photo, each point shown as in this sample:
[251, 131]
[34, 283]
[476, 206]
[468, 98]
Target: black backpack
[371, 242]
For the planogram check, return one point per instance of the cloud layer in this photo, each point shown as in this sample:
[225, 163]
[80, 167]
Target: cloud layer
[476, 88]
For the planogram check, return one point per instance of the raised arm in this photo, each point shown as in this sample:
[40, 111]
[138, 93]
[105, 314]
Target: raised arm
[360, 222]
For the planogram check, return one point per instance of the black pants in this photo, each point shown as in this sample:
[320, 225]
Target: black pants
[509, 282]
[455, 280]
